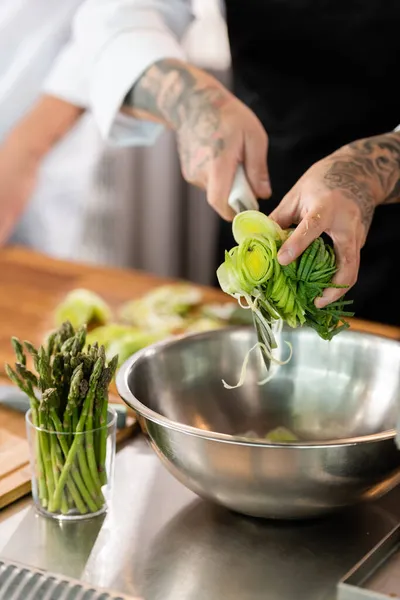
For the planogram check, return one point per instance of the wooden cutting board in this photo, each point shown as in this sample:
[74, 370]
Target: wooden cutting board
[31, 286]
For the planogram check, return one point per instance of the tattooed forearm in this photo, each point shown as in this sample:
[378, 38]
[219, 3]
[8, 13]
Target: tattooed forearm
[189, 101]
[368, 171]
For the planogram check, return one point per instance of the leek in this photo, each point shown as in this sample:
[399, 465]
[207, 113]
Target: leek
[253, 276]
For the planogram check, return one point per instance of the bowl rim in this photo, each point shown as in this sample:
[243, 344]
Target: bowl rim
[144, 411]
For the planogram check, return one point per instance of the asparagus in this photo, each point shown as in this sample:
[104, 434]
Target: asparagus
[108, 375]
[72, 382]
[89, 422]
[79, 341]
[76, 447]
[51, 341]
[19, 350]
[28, 390]
[73, 398]
[46, 452]
[74, 486]
[34, 353]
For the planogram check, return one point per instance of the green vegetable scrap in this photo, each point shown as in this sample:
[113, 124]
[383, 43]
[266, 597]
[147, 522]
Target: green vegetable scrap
[130, 343]
[252, 274]
[162, 309]
[122, 340]
[281, 434]
[69, 401]
[204, 324]
[82, 307]
[106, 334]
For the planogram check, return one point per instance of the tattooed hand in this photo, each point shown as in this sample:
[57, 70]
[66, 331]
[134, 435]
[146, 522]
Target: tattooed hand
[338, 195]
[215, 131]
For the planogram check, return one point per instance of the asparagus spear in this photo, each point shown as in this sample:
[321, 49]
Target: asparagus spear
[75, 485]
[46, 453]
[74, 399]
[28, 390]
[77, 444]
[89, 424]
[108, 375]
[19, 350]
[51, 342]
[56, 458]
[79, 341]
[34, 353]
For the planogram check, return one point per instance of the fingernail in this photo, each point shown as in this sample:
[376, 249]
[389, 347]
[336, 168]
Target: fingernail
[320, 302]
[286, 256]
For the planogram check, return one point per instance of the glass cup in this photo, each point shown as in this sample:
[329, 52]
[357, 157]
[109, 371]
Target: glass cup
[72, 473]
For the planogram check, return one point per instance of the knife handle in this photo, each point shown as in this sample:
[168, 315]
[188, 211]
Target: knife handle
[241, 196]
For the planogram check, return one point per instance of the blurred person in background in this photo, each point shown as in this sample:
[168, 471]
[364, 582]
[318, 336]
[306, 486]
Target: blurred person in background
[51, 151]
[311, 118]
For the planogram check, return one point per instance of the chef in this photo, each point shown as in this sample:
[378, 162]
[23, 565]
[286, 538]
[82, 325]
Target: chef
[312, 117]
[49, 150]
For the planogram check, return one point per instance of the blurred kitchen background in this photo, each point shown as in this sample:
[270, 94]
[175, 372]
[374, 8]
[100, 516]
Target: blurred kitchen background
[139, 212]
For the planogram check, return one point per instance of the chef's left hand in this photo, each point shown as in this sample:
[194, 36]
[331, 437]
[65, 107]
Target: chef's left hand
[338, 196]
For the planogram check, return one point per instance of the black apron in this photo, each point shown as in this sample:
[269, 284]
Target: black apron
[320, 74]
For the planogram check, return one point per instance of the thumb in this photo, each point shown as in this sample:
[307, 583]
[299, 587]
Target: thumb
[255, 162]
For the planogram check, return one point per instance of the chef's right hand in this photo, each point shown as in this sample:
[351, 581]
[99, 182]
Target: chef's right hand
[215, 131]
[219, 134]
[18, 172]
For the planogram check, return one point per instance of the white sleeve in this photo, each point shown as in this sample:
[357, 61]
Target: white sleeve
[113, 42]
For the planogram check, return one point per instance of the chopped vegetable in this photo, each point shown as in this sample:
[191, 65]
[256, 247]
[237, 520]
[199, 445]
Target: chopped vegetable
[82, 307]
[275, 436]
[141, 314]
[106, 334]
[130, 343]
[69, 402]
[204, 324]
[162, 308]
[281, 434]
[223, 312]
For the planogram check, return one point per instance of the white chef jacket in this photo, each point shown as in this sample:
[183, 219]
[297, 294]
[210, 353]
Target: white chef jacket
[32, 33]
[113, 43]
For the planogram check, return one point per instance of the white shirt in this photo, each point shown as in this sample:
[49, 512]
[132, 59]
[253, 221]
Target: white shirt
[113, 43]
[32, 33]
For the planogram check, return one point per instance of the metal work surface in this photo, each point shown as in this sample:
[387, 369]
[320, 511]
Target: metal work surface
[160, 542]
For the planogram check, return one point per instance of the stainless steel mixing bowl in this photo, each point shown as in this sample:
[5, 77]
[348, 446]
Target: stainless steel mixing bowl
[339, 398]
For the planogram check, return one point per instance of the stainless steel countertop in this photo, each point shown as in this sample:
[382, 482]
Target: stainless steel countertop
[161, 542]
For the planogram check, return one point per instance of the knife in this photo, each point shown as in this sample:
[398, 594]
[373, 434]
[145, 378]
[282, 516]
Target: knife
[241, 196]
